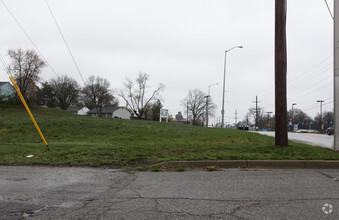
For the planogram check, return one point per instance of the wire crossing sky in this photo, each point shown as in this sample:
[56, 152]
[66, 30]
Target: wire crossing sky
[180, 44]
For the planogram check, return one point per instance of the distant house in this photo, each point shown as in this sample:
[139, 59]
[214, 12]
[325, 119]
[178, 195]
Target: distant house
[6, 89]
[78, 110]
[111, 112]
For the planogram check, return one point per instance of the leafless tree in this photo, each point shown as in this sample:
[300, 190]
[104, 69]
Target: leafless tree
[135, 94]
[96, 94]
[26, 67]
[195, 102]
[65, 90]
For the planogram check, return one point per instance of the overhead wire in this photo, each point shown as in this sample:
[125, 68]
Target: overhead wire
[318, 106]
[309, 93]
[36, 47]
[6, 68]
[293, 81]
[63, 38]
[329, 10]
[320, 77]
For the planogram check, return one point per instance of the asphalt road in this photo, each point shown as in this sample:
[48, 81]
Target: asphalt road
[322, 140]
[84, 193]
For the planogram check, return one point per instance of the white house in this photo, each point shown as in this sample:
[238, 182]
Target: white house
[78, 110]
[111, 112]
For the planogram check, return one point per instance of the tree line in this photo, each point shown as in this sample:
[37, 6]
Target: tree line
[64, 91]
[298, 117]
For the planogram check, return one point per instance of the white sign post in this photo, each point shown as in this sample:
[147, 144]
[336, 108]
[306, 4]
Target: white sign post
[163, 114]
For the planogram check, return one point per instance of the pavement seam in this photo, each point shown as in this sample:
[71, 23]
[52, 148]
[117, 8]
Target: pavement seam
[327, 175]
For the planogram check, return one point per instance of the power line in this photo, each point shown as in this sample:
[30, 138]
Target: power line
[4, 63]
[63, 38]
[309, 93]
[324, 68]
[18, 23]
[317, 106]
[329, 10]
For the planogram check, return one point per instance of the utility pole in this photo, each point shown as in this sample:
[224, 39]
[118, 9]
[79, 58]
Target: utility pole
[207, 104]
[187, 114]
[207, 110]
[236, 117]
[281, 138]
[336, 75]
[269, 122]
[321, 113]
[256, 111]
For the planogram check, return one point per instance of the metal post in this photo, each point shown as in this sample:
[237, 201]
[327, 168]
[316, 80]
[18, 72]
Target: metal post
[223, 94]
[293, 116]
[269, 122]
[28, 111]
[321, 113]
[256, 113]
[207, 110]
[223, 88]
[336, 75]
[207, 103]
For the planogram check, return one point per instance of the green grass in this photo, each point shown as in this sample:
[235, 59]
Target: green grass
[85, 141]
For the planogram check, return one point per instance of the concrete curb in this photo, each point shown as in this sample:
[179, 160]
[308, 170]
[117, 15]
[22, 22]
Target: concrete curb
[268, 164]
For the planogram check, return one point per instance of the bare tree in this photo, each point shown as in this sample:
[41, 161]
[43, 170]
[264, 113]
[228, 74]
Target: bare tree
[326, 120]
[26, 67]
[261, 120]
[65, 90]
[195, 103]
[135, 94]
[96, 94]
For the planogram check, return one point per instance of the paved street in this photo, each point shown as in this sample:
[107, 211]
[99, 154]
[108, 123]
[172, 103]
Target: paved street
[322, 140]
[84, 193]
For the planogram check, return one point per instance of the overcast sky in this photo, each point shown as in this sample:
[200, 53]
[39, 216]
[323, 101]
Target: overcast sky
[181, 44]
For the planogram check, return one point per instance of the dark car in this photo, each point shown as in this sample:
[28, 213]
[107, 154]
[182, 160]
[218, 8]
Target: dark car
[330, 130]
[242, 126]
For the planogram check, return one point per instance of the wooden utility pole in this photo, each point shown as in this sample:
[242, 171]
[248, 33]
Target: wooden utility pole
[281, 138]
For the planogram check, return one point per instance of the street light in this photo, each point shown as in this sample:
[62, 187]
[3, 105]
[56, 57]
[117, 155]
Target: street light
[293, 116]
[321, 113]
[207, 101]
[223, 89]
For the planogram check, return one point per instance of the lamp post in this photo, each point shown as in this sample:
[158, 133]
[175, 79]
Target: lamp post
[321, 113]
[223, 88]
[293, 104]
[207, 97]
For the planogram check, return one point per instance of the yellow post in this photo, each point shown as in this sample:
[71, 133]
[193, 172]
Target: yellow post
[28, 111]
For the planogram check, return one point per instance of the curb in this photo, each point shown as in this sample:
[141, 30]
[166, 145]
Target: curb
[268, 164]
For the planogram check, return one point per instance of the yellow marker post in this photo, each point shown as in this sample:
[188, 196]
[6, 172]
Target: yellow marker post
[28, 111]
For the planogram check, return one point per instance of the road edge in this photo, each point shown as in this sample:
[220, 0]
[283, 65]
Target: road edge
[268, 164]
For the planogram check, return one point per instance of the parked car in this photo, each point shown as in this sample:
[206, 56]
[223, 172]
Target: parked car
[330, 130]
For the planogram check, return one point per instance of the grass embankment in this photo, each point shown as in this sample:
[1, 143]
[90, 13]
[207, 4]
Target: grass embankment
[85, 141]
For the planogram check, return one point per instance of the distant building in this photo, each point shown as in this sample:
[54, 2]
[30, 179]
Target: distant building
[6, 89]
[78, 110]
[111, 112]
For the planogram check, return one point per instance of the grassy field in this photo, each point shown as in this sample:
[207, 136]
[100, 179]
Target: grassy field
[85, 141]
